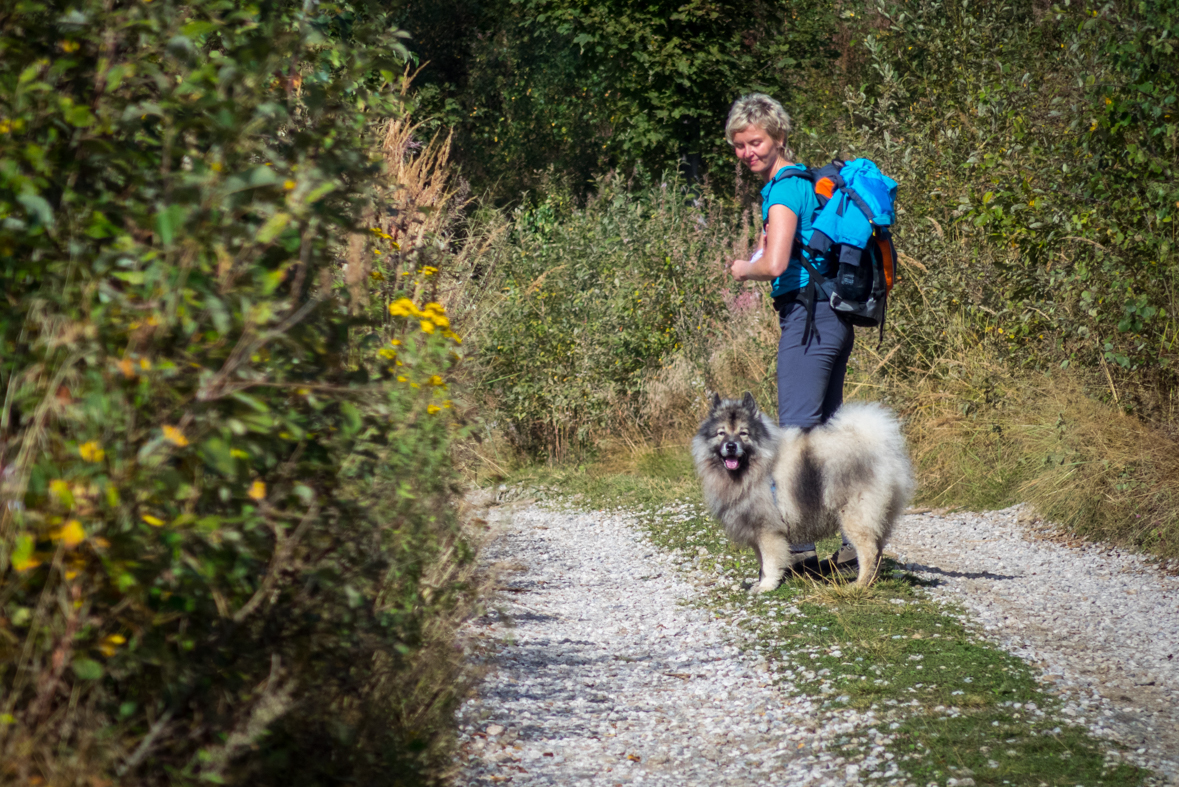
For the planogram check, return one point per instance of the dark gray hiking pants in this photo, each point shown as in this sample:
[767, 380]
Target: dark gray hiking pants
[810, 376]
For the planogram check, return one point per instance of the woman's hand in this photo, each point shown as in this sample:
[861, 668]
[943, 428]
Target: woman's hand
[739, 269]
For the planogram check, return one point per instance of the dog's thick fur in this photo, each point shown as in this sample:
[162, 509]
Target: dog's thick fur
[851, 473]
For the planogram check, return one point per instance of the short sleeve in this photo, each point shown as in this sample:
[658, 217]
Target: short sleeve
[791, 192]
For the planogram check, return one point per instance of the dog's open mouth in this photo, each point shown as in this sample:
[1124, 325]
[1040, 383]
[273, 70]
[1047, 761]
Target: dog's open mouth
[732, 463]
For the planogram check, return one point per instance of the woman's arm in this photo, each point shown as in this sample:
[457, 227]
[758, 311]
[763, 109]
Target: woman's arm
[779, 240]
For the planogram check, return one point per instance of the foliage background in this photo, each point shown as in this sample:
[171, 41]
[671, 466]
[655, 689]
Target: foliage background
[228, 546]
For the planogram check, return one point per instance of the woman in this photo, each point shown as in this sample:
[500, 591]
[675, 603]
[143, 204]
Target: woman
[812, 360]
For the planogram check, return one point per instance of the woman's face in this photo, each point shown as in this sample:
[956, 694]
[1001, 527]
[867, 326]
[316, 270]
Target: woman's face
[757, 149]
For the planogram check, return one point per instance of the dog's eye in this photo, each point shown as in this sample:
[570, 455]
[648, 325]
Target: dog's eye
[744, 434]
[720, 432]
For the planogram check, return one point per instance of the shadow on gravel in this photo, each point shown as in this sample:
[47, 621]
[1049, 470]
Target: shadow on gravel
[924, 569]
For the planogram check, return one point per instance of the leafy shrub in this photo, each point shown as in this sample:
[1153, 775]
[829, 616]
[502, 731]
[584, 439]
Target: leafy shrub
[588, 302]
[1039, 187]
[226, 537]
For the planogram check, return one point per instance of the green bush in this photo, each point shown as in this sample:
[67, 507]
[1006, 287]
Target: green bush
[1036, 151]
[226, 535]
[590, 301]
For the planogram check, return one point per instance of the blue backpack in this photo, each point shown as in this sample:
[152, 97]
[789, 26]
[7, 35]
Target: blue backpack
[852, 235]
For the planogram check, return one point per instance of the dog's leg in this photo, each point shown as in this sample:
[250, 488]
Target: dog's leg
[865, 535]
[773, 553]
[869, 557]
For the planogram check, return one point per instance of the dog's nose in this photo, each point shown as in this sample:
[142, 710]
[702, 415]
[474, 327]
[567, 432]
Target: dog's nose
[731, 447]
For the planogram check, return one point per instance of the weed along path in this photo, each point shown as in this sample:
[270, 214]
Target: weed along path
[622, 648]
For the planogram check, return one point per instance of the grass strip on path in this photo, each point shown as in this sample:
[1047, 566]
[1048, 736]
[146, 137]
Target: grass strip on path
[946, 707]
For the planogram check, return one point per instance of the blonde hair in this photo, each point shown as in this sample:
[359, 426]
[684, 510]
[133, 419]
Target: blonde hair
[758, 109]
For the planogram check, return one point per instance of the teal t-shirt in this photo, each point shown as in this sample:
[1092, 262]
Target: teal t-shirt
[798, 194]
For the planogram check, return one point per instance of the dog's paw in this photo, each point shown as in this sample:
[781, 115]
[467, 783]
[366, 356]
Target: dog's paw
[764, 587]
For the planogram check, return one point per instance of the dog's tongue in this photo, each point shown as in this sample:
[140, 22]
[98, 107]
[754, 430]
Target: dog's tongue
[732, 464]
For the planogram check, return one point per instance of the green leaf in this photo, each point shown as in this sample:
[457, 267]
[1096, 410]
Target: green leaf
[87, 669]
[25, 544]
[273, 226]
[37, 207]
[352, 419]
[169, 221]
[216, 452]
[254, 403]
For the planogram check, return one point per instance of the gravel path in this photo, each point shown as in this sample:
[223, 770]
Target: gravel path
[607, 677]
[1103, 624]
[604, 673]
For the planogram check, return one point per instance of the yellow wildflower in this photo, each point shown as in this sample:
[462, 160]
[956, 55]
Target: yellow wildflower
[436, 380]
[257, 491]
[70, 534]
[395, 342]
[385, 352]
[175, 436]
[403, 307]
[377, 276]
[427, 326]
[289, 185]
[433, 408]
[401, 378]
[110, 644]
[91, 452]
[70, 46]
[144, 364]
[154, 521]
[429, 270]
[61, 490]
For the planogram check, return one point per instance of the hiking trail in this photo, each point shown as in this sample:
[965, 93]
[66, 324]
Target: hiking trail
[602, 670]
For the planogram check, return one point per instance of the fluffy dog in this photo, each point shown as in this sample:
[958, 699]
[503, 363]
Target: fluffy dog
[772, 487]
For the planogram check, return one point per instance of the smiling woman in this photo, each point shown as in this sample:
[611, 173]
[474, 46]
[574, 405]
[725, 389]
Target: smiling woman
[815, 341]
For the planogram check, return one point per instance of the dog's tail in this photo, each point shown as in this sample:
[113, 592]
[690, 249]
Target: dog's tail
[869, 427]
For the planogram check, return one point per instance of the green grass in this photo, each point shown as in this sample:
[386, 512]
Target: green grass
[947, 703]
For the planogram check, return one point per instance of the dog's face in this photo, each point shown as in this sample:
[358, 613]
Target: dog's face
[734, 432]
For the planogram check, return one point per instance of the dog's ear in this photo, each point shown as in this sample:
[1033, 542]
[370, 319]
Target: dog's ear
[716, 400]
[749, 403]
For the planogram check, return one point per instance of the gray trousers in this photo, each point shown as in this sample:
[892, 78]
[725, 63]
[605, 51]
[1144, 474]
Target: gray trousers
[810, 375]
